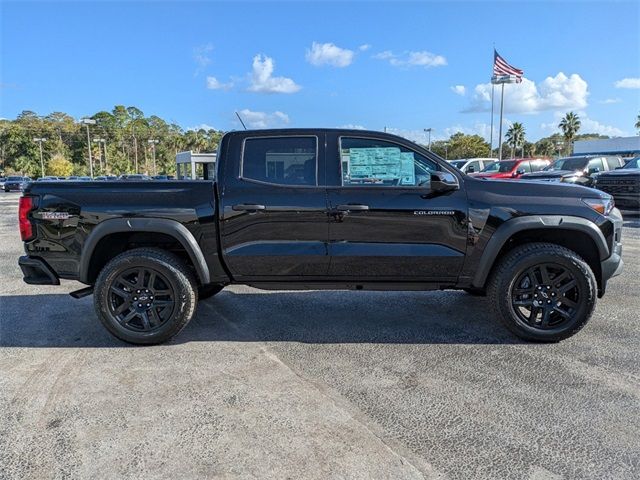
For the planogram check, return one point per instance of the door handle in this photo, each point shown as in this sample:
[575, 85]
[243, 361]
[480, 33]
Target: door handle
[346, 208]
[246, 207]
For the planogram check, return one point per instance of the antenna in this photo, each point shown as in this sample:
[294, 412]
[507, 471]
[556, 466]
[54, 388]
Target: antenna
[240, 118]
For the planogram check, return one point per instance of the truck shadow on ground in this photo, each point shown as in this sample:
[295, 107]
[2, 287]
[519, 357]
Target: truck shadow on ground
[318, 317]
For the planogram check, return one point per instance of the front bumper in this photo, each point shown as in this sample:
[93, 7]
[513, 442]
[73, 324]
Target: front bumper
[37, 272]
[613, 264]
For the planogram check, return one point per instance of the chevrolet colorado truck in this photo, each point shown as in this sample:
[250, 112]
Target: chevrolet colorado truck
[323, 209]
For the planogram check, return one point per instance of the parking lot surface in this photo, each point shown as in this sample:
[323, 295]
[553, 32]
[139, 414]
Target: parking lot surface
[316, 385]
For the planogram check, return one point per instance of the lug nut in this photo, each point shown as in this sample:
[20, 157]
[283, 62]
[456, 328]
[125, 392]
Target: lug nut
[548, 301]
[140, 305]
[135, 298]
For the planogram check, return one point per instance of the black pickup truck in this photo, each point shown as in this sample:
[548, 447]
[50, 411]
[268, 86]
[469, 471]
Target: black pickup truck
[323, 209]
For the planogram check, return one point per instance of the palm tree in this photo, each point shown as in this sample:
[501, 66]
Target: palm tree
[515, 137]
[570, 125]
[638, 124]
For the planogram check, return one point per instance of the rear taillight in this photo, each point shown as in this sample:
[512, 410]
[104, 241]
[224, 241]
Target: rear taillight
[24, 207]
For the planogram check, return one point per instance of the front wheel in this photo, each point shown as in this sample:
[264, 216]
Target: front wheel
[543, 292]
[145, 296]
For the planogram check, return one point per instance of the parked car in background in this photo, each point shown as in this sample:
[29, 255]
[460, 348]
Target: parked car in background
[581, 170]
[163, 177]
[105, 178]
[15, 183]
[514, 168]
[623, 184]
[48, 179]
[2, 180]
[135, 177]
[471, 165]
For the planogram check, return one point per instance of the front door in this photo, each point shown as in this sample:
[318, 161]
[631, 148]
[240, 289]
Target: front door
[385, 222]
[274, 223]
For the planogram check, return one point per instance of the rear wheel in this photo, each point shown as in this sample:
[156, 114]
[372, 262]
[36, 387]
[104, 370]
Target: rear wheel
[145, 296]
[543, 292]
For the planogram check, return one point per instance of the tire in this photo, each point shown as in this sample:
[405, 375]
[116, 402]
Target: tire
[208, 291]
[147, 311]
[542, 292]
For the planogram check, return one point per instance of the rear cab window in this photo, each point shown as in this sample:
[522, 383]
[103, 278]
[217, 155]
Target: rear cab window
[289, 161]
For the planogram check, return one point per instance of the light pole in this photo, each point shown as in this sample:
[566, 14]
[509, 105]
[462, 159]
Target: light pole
[501, 80]
[153, 143]
[104, 143]
[87, 122]
[428, 130]
[446, 150]
[39, 141]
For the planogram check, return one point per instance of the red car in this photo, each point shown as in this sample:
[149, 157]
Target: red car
[513, 168]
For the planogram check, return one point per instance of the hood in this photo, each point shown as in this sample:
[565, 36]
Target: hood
[622, 172]
[549, 174]
[492, 175]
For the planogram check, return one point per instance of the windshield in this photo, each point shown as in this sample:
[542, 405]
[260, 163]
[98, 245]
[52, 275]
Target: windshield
[14, 179]
[458, 163]
[633, 163]
[574, 164]
[500, 167]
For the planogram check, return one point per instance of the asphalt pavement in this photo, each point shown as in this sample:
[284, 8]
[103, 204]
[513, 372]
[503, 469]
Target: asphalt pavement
[315, 385]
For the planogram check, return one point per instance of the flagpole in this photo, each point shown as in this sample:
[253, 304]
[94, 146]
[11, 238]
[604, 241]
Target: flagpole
[491, 141]
[500, 127]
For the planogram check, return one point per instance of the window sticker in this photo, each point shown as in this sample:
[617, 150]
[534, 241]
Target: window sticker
[378, 165]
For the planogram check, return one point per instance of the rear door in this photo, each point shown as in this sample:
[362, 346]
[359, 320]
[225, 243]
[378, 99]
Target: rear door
[385, 222]
[273, 211]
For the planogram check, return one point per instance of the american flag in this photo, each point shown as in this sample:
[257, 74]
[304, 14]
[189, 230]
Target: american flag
[501, 68]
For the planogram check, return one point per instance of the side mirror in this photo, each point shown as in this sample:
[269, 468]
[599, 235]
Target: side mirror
[593, 170]
[443, 182]
[471, 169]
[520, 171]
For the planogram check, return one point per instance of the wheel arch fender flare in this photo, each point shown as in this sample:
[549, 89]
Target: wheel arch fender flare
[154, 225]
[535, 222]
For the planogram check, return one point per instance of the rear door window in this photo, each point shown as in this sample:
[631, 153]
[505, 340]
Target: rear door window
[281, 160]
[614, 162]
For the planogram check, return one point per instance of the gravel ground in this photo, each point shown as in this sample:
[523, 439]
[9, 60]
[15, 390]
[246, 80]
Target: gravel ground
[315, 385]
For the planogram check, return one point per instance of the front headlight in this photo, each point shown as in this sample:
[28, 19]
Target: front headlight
[601, 205]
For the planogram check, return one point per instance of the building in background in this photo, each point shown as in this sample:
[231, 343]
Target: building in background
[626, 147]
[190, 165]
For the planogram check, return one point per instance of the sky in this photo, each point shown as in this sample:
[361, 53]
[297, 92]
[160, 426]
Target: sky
[403, 66]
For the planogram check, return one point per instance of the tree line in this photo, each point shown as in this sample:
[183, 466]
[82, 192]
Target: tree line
[515, 144]
[122, 140]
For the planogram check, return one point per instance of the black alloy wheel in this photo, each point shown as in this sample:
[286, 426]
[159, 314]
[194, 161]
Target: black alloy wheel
[545, 296]
[141, 299]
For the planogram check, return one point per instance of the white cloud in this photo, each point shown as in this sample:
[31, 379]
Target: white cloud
[479, 128]
[263, 119]
[587, 125]
[412, 59]
[202, 126]
[201, 55]
[628, 83]
[262, 80]
[459, 90]
[609, 101]
[329, 54]
[351, 126]
[214, 84]
[364, 47]
[559, 92]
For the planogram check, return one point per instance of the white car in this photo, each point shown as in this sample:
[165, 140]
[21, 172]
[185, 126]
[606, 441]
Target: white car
[471, 165]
